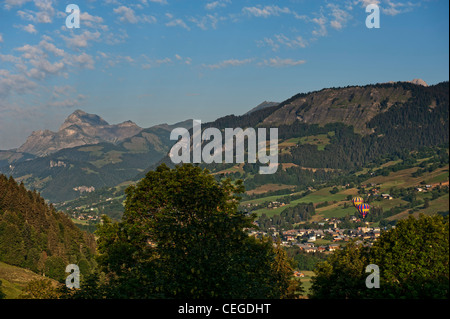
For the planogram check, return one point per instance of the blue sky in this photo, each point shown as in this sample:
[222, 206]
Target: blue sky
[164, 61]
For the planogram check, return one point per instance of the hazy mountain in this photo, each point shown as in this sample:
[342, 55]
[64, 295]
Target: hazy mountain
[325, 135]
[80, 128]
[12, 156]
[353, 105]
[261, 106]
[340, 129]
[345, 128]
[86, 154]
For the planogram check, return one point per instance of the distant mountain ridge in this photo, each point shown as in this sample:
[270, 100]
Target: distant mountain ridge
[86, 154]
[333, 128]
[261, 106]
[80, 128]
[356, 123]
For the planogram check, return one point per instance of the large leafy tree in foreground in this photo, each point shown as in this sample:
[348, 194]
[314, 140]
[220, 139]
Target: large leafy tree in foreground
[181, 236]
[413, 261]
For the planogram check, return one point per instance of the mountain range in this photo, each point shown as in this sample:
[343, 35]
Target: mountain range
[331, 131]
[80, 128]
[85, 154]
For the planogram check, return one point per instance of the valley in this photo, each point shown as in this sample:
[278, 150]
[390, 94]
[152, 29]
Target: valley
[398, 163]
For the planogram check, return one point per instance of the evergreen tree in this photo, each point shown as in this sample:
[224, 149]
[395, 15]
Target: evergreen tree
[182, 236]
[413, 260]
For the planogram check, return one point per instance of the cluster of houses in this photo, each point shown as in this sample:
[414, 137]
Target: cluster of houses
[270, 205]
[312, 240]
[85, 216]
[84, 189]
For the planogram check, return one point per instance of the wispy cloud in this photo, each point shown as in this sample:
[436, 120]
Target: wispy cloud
[156, 1]
[282, 40]
[394, 8]
[206, 22]
[176, 22]
[30, 28]
[266, 11]
[11, 83]
[128, 15]
[278, 62]
[81, 40]
[390, 7]
[339, 16]
[227, 63]
[44, 14]
[217, 4]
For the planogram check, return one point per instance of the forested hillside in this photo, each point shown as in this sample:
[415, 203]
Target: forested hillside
[35, 236]
[382, 120]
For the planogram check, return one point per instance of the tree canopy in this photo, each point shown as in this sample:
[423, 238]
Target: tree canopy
[413, 260]
[182, 236]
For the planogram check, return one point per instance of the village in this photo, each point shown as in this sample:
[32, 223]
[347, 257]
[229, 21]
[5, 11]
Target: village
[322, 240]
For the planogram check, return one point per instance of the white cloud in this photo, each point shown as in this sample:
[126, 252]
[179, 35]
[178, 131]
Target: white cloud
[155, 1]
[1, 38]
[14, 83]
[394, 8]
[365, 3]
[282, 40]
[50, 47]
[38, 62]
[228, 63]
[91, 21]
[127, 15]
[277, 62]
[217, 4]
[340, 17]
[163, 61]
[390, 7]
[81, 40]
[266, 11]
[321, 31]
[84, 60]
[176, 22]
[45, 12]
[207, 21]
[13, 3]
[29, 28]
[67, 102]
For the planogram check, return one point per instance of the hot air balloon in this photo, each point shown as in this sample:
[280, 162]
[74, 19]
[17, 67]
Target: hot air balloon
[363, 209]
[357, 200]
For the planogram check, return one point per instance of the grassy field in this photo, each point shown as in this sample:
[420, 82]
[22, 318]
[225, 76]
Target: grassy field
[440, 204]
[268, 188]
[320, 140]
[306, 281]
[403, 178]
[339, 206]
[14, 279]
[315, 197]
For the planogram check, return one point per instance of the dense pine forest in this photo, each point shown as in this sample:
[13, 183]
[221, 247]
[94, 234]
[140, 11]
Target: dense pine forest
[35, 236]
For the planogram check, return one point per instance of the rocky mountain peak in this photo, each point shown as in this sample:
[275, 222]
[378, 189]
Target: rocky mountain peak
[82, 118]
[419, 82]
[79, 128]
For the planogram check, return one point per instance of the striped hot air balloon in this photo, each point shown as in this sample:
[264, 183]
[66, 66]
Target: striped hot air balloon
[363, 209]
[357, 201]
